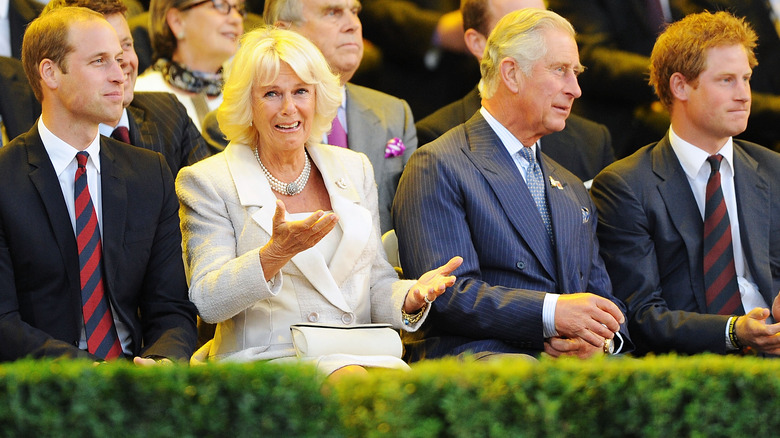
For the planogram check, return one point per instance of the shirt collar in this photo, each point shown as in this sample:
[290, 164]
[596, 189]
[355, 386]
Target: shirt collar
[61, 154]
[343, 105]
[4, 6]
[108, 130]
[693, 159]
[511, 143]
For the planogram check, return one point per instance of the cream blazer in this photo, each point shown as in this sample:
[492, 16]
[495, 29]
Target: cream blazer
[226, 213]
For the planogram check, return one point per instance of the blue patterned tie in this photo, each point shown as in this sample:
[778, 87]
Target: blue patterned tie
[535, 182]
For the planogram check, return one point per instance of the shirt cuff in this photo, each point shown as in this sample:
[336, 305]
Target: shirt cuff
[618, 342]
[548, 315]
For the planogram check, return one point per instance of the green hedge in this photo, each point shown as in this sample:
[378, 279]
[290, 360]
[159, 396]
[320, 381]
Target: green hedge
[707, 396]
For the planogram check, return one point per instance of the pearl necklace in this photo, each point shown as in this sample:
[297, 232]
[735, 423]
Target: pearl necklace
[289, 189]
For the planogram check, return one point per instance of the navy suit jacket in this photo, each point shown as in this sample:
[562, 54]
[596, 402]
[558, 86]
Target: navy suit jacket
[650, 230]
[582, 147]
[463, 195]
[40, 298]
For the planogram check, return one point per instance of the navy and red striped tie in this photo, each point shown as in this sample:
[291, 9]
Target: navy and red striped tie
[720, 277]
[102, 339]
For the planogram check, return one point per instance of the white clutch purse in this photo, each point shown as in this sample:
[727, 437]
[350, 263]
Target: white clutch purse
[314, 340]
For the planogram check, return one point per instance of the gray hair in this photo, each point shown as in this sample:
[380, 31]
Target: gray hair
[520, 36]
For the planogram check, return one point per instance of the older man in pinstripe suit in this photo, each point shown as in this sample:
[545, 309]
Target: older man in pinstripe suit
[532, 279]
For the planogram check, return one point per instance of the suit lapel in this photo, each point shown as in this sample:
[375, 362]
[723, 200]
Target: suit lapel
[752, 192]
[48, 186]
[489, 155]
[142, 134]
[113, 175]
[366, 133]
[256, 196]
[353, 218]
[567, 216]
[682, 209]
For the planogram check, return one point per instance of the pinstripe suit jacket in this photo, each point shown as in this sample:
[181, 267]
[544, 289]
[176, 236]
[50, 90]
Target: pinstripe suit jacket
[463, 195]
[651, 231]
[159, 122]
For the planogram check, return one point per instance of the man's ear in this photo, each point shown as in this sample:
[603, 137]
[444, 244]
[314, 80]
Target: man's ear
[475, 42]
[283, 24]
[510, 74]
[50, 74]
[679, 86]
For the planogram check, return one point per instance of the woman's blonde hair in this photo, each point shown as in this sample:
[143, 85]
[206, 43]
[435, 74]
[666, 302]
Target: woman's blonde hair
[257, 64]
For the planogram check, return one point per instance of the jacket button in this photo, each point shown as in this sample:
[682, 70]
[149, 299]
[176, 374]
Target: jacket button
[520, 265]
[347, 318]
[314, 317]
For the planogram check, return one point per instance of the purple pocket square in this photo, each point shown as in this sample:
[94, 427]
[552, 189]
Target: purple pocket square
[395, 147]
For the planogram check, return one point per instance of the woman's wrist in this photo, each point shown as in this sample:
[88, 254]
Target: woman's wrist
[271, 261]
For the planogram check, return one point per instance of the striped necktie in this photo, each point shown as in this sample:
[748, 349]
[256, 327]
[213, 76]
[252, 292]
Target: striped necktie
[102, 339]
[720, 277]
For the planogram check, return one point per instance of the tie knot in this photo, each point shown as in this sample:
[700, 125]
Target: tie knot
[121, 133]
[337, 135]
[81, 158]
[528, 154]
[714, 161]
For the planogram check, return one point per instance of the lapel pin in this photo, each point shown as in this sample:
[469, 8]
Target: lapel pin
[341, 183]
[555, 183]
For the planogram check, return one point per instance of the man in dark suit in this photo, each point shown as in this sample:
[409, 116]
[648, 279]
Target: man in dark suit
[531, 279]
[690, 225]
[154, 121]
[90, 247]
[20, 13]
[18, 107]
[582, 147]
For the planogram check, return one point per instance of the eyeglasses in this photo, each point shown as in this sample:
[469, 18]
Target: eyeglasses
[223, 7]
